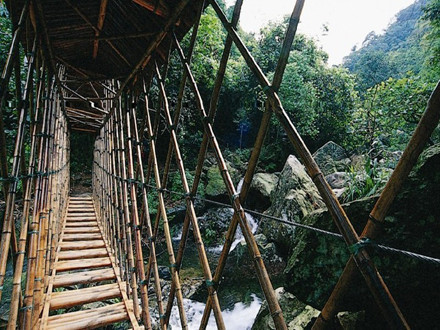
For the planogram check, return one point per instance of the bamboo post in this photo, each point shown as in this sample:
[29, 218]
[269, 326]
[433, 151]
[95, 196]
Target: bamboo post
[34, 227]
[191, 211]
[415, 146]
[9, 224]
[152, 245]
[250, 240]
[6, 74]
[377, 286]
[16, 290]
[256, 150]
[136, 225]
[169, 243]
[126, 213]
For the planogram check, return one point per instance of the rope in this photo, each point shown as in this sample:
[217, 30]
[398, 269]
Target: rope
[33, 175]
[354, 249]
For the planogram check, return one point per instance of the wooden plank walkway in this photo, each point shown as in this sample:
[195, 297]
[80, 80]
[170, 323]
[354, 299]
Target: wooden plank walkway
[85, 272]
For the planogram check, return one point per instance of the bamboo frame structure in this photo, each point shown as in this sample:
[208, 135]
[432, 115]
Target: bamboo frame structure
[128, 134]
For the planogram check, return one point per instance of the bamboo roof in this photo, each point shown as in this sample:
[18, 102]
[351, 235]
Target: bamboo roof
[98, 40]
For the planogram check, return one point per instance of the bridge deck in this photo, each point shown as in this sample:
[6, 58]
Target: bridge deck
[85, 272]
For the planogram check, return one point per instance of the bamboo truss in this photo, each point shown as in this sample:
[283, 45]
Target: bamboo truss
[127, 171]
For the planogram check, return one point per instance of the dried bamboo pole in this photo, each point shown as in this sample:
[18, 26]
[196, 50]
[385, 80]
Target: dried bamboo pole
[127, 221]
[16, 289]
[152, 245]
[34, 227]
[256, 150]
[415, 146]
[212, 292]
[6, 75]
[9, 224]
[169, 243]
[45, 213]
[124, 261]
[250, 240]
[135, 223]
[377, 286]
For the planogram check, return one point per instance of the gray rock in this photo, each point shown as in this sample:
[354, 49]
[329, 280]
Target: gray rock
[351, 320]
[294, 197]
[297, 315]
[337, 180]
[331, 158]
[413, 224]
[262, 186]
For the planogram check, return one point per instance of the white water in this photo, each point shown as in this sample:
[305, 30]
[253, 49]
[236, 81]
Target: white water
[241, 317]
[238, 234]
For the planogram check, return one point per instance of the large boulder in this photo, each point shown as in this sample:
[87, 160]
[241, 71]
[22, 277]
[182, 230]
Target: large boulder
[240, 264]
[413, 224]
[294, 197]
[215, 187]
[214, 224]
[331, 158]
[297, 315]
[262, 186]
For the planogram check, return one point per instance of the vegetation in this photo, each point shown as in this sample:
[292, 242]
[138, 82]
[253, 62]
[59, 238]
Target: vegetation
[370, 104]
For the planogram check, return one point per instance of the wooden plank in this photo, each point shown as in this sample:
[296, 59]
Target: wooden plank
[67, 299]
[82, 237]
[79, 230]
[65, 265]
[81, 218]
[78, 254]
[82, 245]
[89, 276]
[89, 319]
[82, 224]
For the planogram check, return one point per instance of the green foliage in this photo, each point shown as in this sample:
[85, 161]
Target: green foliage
[389, 113]
[366, 183]
[432, 38]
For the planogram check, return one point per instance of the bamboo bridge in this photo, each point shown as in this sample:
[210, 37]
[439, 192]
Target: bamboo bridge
[89, 67]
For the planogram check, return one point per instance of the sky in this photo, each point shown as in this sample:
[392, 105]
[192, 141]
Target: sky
[348, 21]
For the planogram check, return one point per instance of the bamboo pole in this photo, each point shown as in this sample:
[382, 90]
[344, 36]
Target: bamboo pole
[126, 214]
[374, 281]
[250, 240]
[9, 224]
[135, 223]
[6, 75]
[212, 292]
[16, 290]
[256, 150]
[152, 245]
[34, 227]
[169, 243]
[415, 146]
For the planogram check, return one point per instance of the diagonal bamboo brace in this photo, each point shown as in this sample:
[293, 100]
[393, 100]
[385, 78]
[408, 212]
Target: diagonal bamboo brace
[377, 286]
[424, 129]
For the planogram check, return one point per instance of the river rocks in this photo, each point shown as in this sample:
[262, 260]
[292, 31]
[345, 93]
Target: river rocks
[240, 264]
[297, 315]
[331, 158]
[294, 197]
[413, 224]
[262, 186]
[215, 187]
[214, 224]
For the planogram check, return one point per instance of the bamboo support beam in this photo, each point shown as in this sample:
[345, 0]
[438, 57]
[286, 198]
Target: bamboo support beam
[426, 126]
[256, 150]
[100, 25]
[250, 240]
[377, 286]
[191, 211]
[169, 243]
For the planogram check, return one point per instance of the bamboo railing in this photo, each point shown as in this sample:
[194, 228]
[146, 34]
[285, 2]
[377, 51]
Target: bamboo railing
[127, 175]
